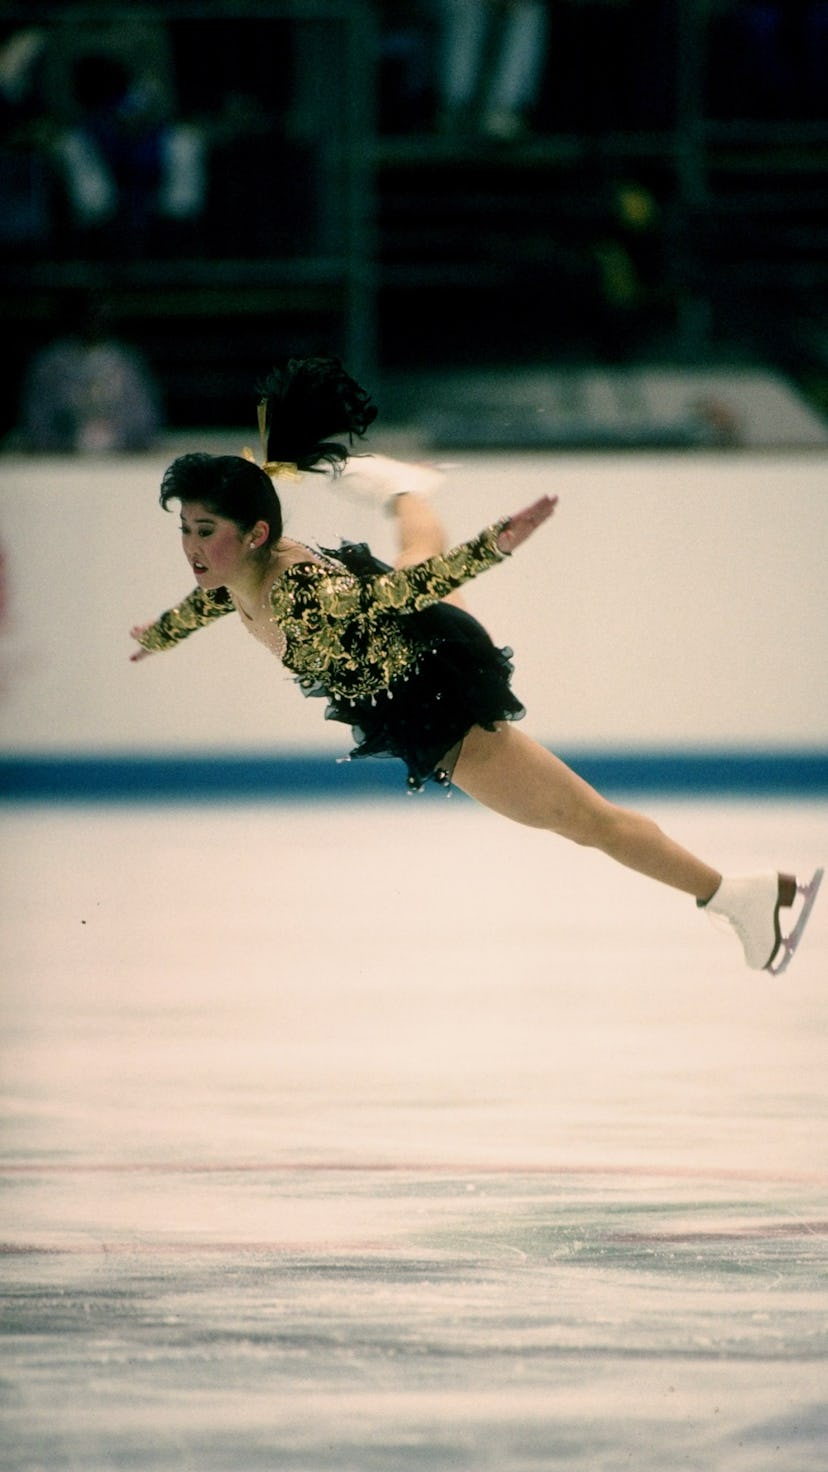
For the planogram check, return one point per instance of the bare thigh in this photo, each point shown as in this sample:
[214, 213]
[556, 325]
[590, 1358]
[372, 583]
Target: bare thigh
[515, 776]
[507, 771]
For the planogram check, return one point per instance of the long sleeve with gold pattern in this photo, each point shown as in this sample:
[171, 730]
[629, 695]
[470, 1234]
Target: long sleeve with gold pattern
[338, 632]
[198, 608]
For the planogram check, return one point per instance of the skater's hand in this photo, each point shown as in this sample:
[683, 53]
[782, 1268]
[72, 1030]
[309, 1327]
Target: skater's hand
[136, 633]
[524, 523]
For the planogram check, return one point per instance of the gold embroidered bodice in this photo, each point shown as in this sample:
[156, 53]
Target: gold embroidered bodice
[339, 633]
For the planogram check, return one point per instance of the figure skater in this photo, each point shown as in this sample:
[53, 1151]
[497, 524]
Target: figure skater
[397, 657]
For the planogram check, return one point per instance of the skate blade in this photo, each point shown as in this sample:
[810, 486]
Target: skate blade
[790, 942]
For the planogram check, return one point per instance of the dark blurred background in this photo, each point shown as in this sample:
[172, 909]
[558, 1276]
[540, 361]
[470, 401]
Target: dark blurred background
[450, 184]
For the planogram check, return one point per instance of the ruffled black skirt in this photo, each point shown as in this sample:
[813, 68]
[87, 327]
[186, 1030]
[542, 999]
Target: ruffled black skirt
[458, 679]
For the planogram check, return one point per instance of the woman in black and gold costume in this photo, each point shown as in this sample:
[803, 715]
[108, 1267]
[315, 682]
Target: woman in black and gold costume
[391, 649]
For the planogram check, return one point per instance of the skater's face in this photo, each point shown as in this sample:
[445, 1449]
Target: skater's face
[215, 547]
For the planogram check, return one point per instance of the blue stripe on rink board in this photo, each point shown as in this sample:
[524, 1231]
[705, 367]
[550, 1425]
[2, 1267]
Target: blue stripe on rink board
[203, 777]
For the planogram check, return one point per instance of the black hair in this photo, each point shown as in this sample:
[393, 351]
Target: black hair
[227, 485]
[306, 402]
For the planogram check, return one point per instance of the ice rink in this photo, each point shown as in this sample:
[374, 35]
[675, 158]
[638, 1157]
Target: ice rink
[390, 1138]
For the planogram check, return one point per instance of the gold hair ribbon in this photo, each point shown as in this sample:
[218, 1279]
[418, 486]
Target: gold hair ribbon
[261, 414]
[282, 470]
[276, 469]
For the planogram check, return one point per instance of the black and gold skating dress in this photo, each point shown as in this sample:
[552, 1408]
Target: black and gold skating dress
[407, 672]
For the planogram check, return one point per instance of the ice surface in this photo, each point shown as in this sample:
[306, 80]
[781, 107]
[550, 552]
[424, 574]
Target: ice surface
[396, 1139]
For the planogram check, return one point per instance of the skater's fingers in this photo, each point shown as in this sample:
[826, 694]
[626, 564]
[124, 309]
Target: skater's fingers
[135, 633]
[524, 523]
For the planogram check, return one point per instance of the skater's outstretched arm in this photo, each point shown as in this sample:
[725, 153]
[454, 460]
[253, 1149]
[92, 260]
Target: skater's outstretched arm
[422, 535]
[416, 585]
[193, 612]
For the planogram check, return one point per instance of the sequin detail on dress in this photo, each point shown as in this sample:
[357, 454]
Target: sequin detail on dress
[409, 673]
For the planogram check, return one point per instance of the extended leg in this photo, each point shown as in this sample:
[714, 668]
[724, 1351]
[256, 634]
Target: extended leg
[515, 776]
[506, 771]
[420, 531]
[402, 489]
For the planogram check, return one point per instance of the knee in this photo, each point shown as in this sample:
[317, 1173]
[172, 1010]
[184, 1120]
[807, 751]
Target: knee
[600, 825]
[612, 829]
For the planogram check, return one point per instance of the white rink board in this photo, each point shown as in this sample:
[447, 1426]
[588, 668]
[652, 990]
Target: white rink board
[674, 601]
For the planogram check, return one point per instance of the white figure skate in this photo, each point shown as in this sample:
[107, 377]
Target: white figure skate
[750, 905]
[379, 478]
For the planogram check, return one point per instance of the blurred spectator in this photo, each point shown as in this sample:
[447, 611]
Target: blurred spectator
[88, 392]
[97, 153]
[492, 62]
[24, 172]
[20, 56]
[123, 155]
